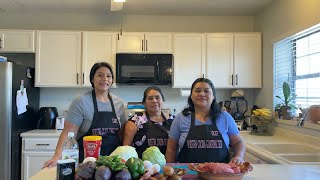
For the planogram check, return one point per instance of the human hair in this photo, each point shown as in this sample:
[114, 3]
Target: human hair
[214, 108]
[145, 94]
[98, 65]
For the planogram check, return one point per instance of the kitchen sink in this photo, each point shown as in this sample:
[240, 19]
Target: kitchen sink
[288, 148]
[301, 157]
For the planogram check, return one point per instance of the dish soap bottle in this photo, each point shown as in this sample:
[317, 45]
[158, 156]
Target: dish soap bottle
[70, 149]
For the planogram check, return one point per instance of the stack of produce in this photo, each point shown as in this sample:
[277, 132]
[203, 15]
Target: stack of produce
[122, 164]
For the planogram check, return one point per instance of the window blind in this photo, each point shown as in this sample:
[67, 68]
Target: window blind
[297, 62]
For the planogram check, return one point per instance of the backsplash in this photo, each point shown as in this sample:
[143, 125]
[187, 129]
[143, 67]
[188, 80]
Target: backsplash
[62, 97]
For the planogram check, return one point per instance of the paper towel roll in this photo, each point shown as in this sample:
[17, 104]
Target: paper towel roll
[185, 92]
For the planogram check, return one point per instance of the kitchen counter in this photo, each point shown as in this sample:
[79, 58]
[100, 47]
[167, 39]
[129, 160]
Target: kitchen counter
[281, 136]
[259, 172]
[42, 132]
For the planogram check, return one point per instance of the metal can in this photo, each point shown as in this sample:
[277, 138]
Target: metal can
[92, 146]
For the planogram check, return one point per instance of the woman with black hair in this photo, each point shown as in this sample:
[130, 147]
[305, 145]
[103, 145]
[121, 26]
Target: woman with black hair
[97, 112]
[202, 132]
[149, 128]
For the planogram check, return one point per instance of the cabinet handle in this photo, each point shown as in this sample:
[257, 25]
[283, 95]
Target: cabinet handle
[118, 36]
[77, 78]
[142, 45]
[232, 79]
[42, 144]
[82, 78]
[236, 79]
[146, 45]
[0, 43]
[202, 75]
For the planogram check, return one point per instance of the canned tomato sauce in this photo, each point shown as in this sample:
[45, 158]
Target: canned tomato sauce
[92, 146]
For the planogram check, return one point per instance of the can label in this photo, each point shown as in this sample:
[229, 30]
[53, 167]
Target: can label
[92, 148]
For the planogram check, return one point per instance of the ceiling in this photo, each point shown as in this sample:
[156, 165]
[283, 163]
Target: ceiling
[143, 7]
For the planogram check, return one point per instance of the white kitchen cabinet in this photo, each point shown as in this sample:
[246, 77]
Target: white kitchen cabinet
[145, 43]
[248, 157]
[58, 58]
[234, 60]
[189, 58]
[38, 146]
[97, 47]
[17, 41]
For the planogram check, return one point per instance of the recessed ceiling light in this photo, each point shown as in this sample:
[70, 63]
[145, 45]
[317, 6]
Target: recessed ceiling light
[119, 0]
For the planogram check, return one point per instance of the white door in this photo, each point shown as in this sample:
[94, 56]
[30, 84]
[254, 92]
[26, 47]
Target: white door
[97, 47]
[189, 59]
[32, 162]
[220, 59]
[17, 41]
[247, 60]
[158, 43]
[130, 42]
[58, 59]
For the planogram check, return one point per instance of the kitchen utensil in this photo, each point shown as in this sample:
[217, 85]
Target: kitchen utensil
[239, 106]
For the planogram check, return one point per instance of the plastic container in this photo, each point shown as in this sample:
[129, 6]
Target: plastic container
[92, 146]
[70, 149]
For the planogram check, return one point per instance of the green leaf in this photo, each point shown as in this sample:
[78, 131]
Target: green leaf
[286, 92]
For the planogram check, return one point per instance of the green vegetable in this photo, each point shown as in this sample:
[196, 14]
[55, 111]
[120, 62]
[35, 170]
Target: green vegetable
[113, 162]
[125, 152]
[154, 155]
[135, 166]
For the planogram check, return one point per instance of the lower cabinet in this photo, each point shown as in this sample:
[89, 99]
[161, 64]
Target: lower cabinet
[33, 162]
[248, 157]
[38, 146]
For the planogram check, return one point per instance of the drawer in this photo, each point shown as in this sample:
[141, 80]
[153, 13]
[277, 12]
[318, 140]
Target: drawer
[40, 144]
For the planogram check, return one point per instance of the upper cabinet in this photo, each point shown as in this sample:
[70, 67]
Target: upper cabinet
[17, 41]
[234, 60]
[58, 59]
[189, 58]
[145, 43]
[97, 47]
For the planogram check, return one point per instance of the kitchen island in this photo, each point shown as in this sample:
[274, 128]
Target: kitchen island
[259, 172]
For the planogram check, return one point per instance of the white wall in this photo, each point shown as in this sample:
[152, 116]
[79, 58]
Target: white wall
[281, 19]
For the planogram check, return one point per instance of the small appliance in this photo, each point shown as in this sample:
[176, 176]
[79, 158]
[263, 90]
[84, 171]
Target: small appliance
[144, 68]
[60, 122]
[47, 118]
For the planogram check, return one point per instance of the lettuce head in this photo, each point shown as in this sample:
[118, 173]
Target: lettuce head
[125, 152]
[154, 155]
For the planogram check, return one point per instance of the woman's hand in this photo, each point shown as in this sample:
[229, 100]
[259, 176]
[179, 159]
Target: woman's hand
[237, 160]
[51, 162]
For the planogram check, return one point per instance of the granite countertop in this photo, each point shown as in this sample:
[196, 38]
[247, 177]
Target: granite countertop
[42, 133]
[259, 172]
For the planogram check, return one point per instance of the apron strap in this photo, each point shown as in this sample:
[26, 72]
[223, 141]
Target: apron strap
[164, 121]
[95, 102]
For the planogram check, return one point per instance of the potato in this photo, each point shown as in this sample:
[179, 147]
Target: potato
[168, 171]
[124, 174]
[103, 173]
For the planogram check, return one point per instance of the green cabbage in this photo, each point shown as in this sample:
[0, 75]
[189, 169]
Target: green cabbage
[154, 155]
[125, 152]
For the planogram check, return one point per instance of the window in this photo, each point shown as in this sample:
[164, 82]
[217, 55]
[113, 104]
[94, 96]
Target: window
[297, 62]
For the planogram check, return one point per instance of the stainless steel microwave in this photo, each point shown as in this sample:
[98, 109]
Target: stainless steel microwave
[144, 68]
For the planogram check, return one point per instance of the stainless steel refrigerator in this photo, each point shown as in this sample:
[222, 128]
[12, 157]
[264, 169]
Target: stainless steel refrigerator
[12, 124]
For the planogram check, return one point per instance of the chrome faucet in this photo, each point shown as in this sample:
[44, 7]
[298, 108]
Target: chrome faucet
[300, 122]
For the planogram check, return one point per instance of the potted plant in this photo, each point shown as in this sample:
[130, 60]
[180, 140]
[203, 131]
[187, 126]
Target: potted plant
[286, 107]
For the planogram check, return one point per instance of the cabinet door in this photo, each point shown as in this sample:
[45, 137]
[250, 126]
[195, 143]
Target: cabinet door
[58, 58]
[220, 59]
[247, 60]
[189, 59]
[158, 43]
[131, 42]
[16, 41]
[32, 162]
[97, 47]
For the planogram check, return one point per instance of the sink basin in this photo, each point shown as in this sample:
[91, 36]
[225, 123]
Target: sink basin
[301, 157]
[288, 148]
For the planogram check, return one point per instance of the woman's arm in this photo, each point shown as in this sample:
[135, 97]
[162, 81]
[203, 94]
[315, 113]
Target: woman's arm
[68, 127]
[239, 148]
[130, 131]
[171, 150]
